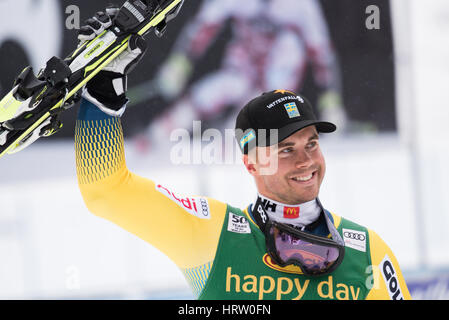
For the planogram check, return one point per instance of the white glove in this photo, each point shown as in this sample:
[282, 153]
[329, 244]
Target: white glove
[107, 90]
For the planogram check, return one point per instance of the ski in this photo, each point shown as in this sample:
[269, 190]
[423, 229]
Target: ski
[30, 110]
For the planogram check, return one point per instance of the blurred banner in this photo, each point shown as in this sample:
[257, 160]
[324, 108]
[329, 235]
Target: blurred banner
[217, 55]
[435, 287]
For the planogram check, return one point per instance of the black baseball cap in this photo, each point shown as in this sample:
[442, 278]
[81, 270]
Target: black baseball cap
[282, 110]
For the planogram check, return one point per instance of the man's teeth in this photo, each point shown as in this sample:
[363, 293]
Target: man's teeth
[303, 178]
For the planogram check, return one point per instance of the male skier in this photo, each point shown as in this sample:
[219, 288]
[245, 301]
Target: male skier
[285, 245]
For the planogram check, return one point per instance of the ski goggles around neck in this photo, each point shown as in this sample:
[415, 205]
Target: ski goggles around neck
[315, 255]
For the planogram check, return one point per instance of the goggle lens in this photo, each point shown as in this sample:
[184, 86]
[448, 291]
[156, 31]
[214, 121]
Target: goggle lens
[313, 258]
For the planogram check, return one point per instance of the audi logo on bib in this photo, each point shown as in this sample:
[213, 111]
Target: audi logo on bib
[355, 239]
[353, 235]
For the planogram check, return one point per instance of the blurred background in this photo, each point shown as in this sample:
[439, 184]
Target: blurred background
[378, 69]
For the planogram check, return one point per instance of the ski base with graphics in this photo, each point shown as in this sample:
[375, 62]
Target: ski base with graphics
[30, 110]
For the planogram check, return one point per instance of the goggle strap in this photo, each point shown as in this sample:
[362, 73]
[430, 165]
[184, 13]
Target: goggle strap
[330, 226]
[260, 215]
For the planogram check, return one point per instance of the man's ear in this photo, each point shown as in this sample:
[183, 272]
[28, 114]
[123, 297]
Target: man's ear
[249, 164]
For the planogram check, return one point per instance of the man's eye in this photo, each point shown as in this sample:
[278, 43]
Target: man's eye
[312, 144]
[286, 150]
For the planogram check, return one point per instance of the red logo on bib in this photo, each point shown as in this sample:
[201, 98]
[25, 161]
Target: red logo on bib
[291, 212]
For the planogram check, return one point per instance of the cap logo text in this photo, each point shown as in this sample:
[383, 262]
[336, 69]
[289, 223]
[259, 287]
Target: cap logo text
[284, 99]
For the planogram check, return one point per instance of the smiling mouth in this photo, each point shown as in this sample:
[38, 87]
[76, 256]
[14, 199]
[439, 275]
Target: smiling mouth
[304, 178]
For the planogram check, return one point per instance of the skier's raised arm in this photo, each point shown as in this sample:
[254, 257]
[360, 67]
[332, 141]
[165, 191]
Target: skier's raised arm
[186, 229]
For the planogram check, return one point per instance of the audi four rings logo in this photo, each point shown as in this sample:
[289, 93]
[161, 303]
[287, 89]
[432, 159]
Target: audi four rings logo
[355, 236]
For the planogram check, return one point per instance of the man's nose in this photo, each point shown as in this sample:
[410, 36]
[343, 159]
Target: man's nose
[303, 160]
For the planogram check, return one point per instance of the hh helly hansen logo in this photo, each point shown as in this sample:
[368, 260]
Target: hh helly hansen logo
[267, 287]
[196, 206]
[268, 205]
